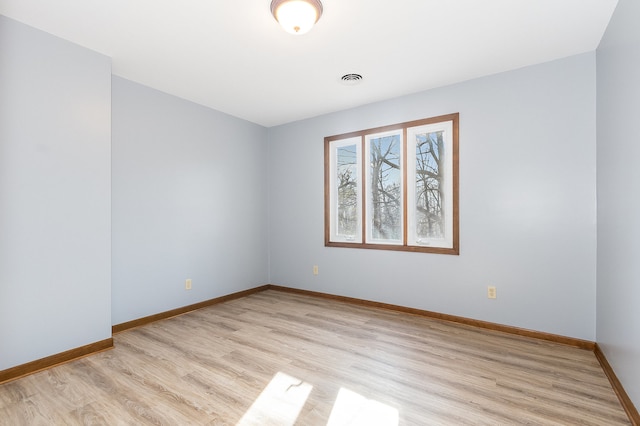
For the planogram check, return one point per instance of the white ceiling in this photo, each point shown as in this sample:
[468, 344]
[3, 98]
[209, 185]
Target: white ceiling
[232, 56]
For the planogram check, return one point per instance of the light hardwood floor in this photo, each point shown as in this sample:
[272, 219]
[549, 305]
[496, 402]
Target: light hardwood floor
[280, 358]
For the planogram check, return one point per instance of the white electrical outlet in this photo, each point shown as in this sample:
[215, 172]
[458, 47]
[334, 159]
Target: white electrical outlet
[187, 284]
[315, 269]
[491, 292]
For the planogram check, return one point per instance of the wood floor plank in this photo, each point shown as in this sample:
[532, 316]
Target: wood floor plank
[284, 358]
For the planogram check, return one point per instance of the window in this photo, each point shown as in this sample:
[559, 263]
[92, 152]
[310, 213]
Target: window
[394, 187]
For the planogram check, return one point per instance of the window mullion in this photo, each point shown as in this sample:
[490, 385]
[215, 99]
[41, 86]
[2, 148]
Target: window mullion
[405, 172]
[363, 196]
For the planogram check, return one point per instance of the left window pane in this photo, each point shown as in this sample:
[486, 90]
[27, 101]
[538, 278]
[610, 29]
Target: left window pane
[346, 192]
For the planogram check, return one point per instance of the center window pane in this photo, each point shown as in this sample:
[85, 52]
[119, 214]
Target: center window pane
[385, 217]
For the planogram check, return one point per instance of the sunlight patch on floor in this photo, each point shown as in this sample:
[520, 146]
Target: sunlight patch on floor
[353, 409]
[279, 403]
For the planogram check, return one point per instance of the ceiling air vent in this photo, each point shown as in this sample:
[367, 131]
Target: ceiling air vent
[351, 79]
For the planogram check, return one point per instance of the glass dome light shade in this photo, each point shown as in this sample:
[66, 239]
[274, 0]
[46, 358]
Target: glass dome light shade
[296, 16]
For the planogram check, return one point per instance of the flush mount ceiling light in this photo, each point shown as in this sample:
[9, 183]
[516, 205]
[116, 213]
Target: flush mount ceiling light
[296, 16]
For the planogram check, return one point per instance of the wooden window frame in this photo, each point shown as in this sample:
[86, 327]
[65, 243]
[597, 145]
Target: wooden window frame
[454, 248]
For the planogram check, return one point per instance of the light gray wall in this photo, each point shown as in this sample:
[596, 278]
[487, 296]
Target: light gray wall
[527, 203]
[55, 254]
[618, 308]
[189, 201]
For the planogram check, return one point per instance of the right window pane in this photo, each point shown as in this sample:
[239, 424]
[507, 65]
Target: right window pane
[429, 180]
